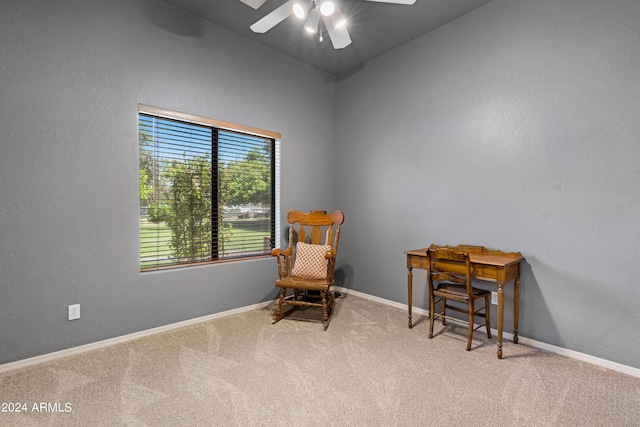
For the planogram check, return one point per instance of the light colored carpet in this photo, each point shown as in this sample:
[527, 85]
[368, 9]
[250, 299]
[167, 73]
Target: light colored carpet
[367, 369]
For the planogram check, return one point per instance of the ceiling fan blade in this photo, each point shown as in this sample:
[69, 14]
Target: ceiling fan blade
[339, 36]
[274, 18]
[395, 1]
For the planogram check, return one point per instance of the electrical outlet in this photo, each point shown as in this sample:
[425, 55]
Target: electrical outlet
[74, 311]
[494, 298]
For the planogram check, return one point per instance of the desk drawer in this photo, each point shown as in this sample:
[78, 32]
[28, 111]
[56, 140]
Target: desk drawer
[415, 261]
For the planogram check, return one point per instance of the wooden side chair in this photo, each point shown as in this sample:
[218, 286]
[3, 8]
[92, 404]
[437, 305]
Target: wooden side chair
[306, 266]
[449, 275]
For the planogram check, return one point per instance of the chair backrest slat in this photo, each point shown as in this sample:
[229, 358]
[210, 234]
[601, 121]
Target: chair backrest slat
[449, 277]
[316, 235]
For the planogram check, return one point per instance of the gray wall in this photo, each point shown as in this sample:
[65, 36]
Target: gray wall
[515, 127]
[71, 75]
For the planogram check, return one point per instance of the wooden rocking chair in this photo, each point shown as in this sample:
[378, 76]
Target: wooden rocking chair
[306, 266]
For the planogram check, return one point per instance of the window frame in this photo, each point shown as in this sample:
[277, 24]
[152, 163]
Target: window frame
[232, 127]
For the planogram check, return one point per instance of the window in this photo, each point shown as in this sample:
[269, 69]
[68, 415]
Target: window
[207, 190]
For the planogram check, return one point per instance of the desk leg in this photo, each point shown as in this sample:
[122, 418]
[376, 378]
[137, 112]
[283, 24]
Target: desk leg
[516, 308]
[500, 317]
[410, 297]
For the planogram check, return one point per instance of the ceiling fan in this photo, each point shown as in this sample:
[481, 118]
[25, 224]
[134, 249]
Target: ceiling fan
[313, 12]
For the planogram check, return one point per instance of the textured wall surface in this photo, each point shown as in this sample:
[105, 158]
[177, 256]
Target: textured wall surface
[71, 75]
[515, 127]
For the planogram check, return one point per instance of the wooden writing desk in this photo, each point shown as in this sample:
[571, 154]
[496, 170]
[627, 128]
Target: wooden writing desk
[490, 265]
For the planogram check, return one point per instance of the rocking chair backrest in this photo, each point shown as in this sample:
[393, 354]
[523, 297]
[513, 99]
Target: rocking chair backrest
[315, 227]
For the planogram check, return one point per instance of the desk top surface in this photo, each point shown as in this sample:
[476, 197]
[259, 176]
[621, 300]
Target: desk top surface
[499, 259]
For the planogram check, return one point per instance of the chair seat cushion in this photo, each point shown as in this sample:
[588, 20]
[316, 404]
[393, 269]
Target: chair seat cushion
[311, 261]
[459, 290]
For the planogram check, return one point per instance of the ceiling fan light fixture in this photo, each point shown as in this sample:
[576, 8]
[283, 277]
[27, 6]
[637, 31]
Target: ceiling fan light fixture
[312, 21]
[300, 8]
[299, 11]
[312, 12]
[327, 8]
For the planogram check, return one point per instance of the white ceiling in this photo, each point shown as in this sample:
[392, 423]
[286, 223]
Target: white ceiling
[375, 28]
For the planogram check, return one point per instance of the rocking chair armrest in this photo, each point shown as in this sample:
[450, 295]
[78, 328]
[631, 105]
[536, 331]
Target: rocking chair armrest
[330, 255]
[281, 252]
[284, 261]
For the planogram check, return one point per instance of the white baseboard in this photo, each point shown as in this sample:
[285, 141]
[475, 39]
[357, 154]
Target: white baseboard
[629, 370]
[123, 338]
[635, 372]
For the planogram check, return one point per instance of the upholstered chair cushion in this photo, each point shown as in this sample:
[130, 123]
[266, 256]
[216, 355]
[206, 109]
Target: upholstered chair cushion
[310, 261]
